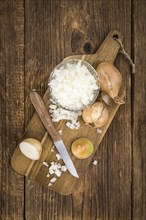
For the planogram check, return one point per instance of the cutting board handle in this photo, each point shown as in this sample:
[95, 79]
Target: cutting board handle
[110, 47]
[107, 51]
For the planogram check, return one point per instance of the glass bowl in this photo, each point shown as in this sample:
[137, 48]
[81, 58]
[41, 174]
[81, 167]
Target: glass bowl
[75, 62]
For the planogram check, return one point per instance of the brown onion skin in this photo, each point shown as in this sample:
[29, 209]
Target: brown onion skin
[97, 108]
[106, 98]
[86, 115]
[97, 114]
[110, 80]
[103, 118]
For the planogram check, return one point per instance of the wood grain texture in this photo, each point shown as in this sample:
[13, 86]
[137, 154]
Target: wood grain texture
[35, 170]
[139, 112]
[42, 53]
[54, 29]
[42, 111]
[11, 106]
[97, 195]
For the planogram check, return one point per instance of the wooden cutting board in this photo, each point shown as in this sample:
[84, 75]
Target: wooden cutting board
[35, 170]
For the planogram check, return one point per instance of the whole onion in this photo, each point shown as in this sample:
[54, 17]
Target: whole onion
[110, 81]
[96, 114]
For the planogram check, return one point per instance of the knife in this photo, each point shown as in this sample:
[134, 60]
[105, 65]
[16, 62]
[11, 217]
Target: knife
[42, 112]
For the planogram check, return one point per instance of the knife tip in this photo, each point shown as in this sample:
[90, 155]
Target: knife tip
[76, 175]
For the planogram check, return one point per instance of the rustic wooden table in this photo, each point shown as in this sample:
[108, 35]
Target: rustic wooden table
[35, 36]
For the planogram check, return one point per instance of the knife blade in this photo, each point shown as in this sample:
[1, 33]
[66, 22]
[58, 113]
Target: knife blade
[42, 112]
[66, 158]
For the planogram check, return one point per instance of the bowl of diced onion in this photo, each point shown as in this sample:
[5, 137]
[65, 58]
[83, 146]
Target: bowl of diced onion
[74, 85]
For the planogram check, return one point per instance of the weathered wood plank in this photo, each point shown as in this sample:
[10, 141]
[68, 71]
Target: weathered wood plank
[51, 27]
[139, 112]
[35, 170]
[108, 186]
[42, 53]
[11, 106]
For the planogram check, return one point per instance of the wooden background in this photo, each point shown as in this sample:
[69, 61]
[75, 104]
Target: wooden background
[35, 36]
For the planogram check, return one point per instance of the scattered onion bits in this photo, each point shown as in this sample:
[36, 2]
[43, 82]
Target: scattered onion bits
[110, 81]
[82, 148]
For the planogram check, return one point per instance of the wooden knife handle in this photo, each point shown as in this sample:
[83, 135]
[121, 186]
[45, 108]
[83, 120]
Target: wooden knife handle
[43, 113]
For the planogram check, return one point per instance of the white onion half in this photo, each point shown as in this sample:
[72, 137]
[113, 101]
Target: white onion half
[31, 148]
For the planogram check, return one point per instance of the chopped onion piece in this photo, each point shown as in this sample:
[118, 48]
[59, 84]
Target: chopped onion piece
[52, 149]
[58, 172]
[53, 167]
[52, 106]
[73, 125]
[53, 180]
[58, 156]
[60, 132]
[63, 168]
[99, 131]
[95, 162]
[62, 114]
[59, 166]
[51, 171]
[45, 164]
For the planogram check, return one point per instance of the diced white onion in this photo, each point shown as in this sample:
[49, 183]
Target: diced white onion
[58, 156]
[60, 132]
[95, 162]
[55, 168]
[53, 180]
[45, 164]
[62, 114]
[73, 86]
[73, 125]
[63, 168]
[51, 171]
[52, 106]
[58, 172]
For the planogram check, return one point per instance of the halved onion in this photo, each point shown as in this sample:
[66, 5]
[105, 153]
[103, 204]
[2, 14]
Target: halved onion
[82, 148]
[31, 148]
